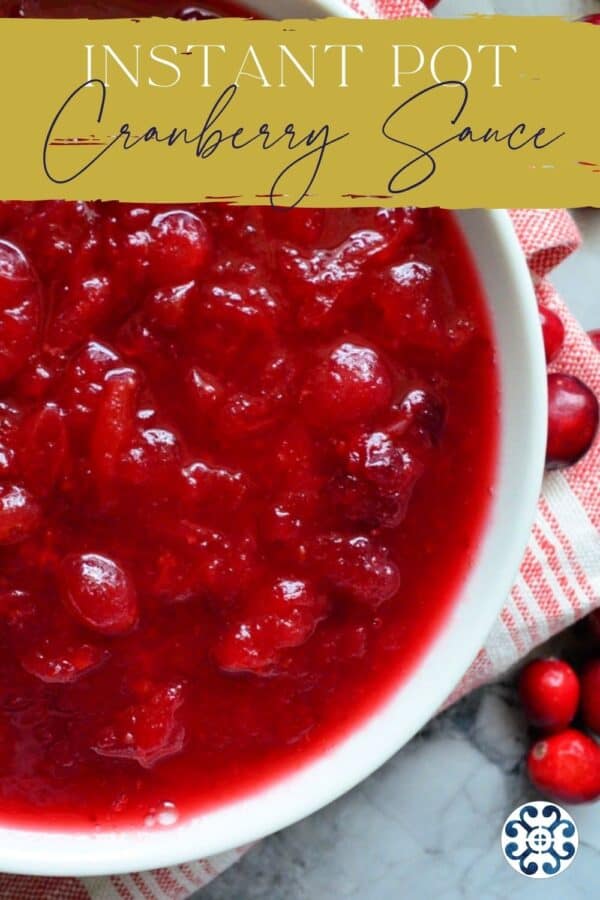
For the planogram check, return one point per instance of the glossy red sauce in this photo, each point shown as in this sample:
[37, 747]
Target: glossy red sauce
[245, 460]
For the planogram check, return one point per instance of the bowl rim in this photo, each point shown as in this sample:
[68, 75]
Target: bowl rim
[370, 744]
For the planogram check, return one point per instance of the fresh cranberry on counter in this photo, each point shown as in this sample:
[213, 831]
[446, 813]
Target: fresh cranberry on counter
[549, 692]
[572, 420]
[592, 19]
[553, 331]
[566, 767]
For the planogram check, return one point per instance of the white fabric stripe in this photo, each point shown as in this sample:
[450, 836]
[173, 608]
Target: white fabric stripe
[369, 9]
[575, 522]
[566, 565]
[500, 647]
[530, 631]
[100, 889]
[529, 598]
[186, 882]
[132, 887]
[558, 592]
[152, 884]
[520, 623]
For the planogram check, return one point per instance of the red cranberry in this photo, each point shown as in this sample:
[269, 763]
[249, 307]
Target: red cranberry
[430, 4]
[590, 695]
[178, 247]
[167, 307]
[115, 423]
[20, 310]
[281, 615]
[359, 567]
[152, 461]
[85, 305]
[566, 767]
[147, 732]
[592, 19]
[422, 413]
[246, 307]
[83, 382]
[413, 299]
[10, 419]
[61, 664]
[281, 595]
[206, 485]
[351, 383]
[553, 332]
[322, 281]
[44, 442]
[549, 692]
[389, 471]
[20, 514]
[99, 593]
[573, 420]
[595, 338]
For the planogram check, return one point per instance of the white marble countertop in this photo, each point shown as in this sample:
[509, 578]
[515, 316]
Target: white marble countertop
[428, 824]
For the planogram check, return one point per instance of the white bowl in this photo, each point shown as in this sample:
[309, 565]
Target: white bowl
[521, 364]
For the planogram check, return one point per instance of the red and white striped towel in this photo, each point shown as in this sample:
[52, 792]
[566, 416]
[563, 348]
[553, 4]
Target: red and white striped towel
[559, 580]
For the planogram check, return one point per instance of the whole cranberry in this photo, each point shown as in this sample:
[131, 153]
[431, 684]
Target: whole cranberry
[590, 695]
[179, 245]
[549, 692]
[566, 767]
[594, 336]
[553, 332]
[352, 382]
[99, 593]
[592, 19]
[572, 420]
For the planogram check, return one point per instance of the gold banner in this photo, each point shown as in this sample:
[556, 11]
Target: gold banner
[486, 111]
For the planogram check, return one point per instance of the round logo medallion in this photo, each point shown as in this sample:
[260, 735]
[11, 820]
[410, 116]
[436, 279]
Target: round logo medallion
[539, 839]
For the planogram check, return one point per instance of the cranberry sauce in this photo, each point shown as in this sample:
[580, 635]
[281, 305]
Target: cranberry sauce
[245, 460]
[245, 457]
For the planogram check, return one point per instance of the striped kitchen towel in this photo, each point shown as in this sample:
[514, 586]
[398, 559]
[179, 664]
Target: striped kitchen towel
[558, 583]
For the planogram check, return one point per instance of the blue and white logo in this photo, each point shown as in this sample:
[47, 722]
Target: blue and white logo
[539, 839]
